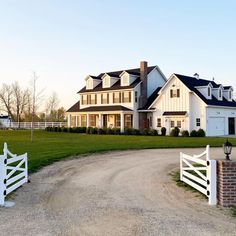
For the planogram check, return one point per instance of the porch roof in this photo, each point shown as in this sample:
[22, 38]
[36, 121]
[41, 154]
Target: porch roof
[175, 113]
[76, 108]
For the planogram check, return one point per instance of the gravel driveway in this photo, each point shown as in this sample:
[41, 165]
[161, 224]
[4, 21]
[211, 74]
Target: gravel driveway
[119, 193]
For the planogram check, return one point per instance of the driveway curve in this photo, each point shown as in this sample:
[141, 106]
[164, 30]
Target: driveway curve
[117, 193]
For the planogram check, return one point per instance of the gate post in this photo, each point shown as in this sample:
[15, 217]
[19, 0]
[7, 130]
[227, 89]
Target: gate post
[211, 182]
[181, 166]
[3, 173]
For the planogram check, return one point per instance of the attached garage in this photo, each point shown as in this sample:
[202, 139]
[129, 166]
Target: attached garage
[216, 126]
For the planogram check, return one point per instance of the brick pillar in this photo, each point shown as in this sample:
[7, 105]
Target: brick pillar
[226, 183]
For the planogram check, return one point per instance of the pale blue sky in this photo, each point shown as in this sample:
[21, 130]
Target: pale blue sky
[65, 40]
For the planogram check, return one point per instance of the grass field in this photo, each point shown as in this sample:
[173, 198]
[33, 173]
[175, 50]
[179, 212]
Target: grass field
[49, 146]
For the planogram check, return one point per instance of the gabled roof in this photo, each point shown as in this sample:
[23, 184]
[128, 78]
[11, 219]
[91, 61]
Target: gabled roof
[75, 107]
[115, 86]
[192, 83]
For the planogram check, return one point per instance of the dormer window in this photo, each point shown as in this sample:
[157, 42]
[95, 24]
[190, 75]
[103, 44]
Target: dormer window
[220, 93]
[230, 95]
[209, 92]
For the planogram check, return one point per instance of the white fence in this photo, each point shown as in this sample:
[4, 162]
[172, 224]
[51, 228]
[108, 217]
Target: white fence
[37, 125]
[200, 174]
[13, 172]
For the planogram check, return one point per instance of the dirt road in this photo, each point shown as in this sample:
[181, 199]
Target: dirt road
[120, 193]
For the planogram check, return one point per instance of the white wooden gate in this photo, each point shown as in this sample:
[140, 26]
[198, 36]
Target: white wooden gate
[13, 172]
[200, 173]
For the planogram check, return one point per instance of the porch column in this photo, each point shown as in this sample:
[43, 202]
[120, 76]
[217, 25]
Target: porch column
[69, 120]
[87, 120]
[76, 121]
[122, 123]
[100, 121]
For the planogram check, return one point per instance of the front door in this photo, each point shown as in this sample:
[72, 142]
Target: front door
[231, 126]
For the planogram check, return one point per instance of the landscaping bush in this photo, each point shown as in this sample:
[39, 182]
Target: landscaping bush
[59, 129]
[153, 132]
[94, 130]
[201, 133]
[109, 131]
[146, 132]
[101, 131]
[163, 131]
[185, 133]
[128, 131]
[194, 133]
[135, 132]
[175, 132]
[64, 129]
[116, 131]
[89, 130]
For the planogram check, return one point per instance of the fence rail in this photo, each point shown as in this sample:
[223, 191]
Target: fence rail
[36, 125]
[200, 173]
[13, 172]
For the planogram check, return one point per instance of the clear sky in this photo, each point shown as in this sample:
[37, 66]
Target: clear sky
[65, 40]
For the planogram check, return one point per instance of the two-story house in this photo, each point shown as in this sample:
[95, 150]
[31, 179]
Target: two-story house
[191, 103]
[117, 99]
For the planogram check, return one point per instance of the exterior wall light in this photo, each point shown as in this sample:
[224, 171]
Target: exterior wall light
[227, 149]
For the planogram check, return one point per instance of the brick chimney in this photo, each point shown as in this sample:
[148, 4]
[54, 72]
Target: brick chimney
[143, 77]
[143, 96]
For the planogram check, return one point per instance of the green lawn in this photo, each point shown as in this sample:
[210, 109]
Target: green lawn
[49, 146]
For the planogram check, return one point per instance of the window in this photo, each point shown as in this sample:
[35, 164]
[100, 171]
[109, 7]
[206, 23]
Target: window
[116, 97]
[84, 100]
[136, 96]
[126, 96]
[179, 124]
[117, 121]
[73, 121]
[92, 120]
[105, 98]
[150, 121]
[172, 124]
[230, 95]
[175, 93]
[198, 122]
[220, 93]
[158, 122]
[128, 121]
[209, 91]
[93, 99]
[83, 121]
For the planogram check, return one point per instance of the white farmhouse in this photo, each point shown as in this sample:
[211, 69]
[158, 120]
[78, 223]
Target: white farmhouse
[191, 103]
[143, 98]
[115, 99]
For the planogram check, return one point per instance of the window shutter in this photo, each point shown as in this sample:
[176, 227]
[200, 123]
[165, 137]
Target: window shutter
[95, 98]
[107, 97]
[113, 95]
[171, 93]
[101, 98]
[178, 93]
[129, 96]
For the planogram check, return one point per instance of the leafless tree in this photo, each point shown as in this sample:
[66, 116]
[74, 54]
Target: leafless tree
[6, 99]
[51, 107]
[19, 100]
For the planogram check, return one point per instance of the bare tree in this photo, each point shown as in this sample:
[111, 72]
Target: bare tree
[19, 100]
[6, 99]
[51, 106]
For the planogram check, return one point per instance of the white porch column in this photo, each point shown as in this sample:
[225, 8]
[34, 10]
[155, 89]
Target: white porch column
[122, 122]
[69, 120]
[76, 121]
[100, 120]
[87, 120]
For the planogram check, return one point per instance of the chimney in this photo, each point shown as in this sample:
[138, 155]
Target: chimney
[143, 78]
[196, 75]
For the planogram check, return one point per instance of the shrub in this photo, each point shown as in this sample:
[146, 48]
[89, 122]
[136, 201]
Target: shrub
[101, 131]
[89, 130]
[153, 132]
[109, 131]
[64, 129]
[201, 133]
[94, 130]
[128, 131]
[163, 131]
[59, 129]
[193, 133]
[185, 133]
[145, 132]
[71, 130]
[175, 132]
[135, 132]
[116, 131]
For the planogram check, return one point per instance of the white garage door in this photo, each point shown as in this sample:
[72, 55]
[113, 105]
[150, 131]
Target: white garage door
[216, 126]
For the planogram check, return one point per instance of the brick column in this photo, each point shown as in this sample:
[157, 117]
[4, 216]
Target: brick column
[226, 183]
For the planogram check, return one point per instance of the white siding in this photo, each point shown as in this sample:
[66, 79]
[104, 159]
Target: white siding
[155, 80]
